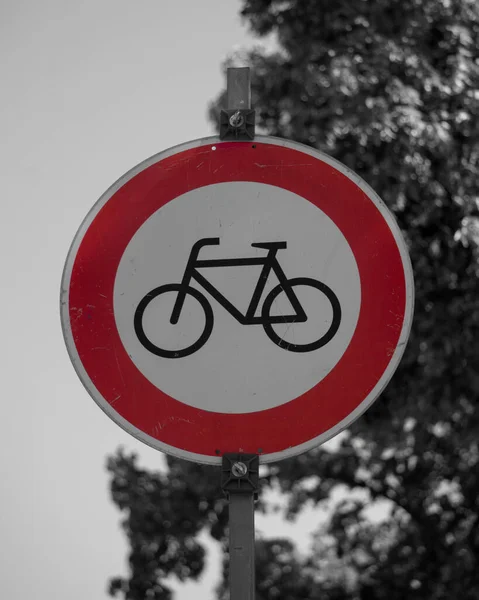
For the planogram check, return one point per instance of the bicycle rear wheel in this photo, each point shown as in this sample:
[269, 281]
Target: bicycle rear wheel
[174, 352]
[302, 347]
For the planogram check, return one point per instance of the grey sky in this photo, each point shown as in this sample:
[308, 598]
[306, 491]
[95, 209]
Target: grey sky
[89, 89]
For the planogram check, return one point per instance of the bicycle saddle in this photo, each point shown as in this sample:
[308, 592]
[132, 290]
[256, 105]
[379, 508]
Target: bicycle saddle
[268, 245]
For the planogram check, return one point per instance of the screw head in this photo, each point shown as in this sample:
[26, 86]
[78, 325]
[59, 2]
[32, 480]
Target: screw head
[237, 120]
[239, 469]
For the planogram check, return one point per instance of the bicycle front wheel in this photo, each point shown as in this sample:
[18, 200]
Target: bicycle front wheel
[328, 298]
[177, 351]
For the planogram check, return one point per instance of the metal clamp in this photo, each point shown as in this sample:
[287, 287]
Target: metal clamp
[237, 124]
[240, 474]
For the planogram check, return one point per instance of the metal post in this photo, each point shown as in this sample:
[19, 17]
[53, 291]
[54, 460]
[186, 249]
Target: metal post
[238, 88]
[240, 483]
[237, 122]
[241, 546]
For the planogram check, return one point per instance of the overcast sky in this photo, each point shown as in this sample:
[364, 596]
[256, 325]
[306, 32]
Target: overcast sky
[88, 90]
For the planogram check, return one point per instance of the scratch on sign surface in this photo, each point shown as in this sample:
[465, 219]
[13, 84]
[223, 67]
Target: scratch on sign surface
[119, 368]
[282, 165]
[79, 312]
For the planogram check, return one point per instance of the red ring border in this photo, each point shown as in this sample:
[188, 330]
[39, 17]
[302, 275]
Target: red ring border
[192, 430]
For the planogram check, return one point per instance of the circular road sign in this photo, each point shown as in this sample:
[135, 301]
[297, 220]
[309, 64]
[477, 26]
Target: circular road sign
[247, 297]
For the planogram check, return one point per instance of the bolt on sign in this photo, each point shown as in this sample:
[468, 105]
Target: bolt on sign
[237, 297]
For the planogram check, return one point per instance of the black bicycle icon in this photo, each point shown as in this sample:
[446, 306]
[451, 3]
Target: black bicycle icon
[269, 264]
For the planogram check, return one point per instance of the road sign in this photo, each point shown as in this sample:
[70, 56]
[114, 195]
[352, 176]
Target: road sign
[228, 297]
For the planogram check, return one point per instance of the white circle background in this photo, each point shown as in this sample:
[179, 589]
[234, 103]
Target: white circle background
[239, 369]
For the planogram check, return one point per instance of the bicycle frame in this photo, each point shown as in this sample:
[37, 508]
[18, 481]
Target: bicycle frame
[269, 263]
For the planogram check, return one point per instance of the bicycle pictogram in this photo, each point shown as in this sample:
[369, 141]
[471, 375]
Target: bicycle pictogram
[269, 265]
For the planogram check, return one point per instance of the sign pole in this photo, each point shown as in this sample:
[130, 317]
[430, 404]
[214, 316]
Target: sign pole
[239, 480]
[237, 122]
[238, 88]
[239, 477]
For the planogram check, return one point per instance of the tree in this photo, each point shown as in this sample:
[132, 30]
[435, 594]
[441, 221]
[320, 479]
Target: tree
[391, 89]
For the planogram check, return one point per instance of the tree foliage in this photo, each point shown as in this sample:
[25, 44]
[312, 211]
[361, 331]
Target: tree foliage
[391, 89]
